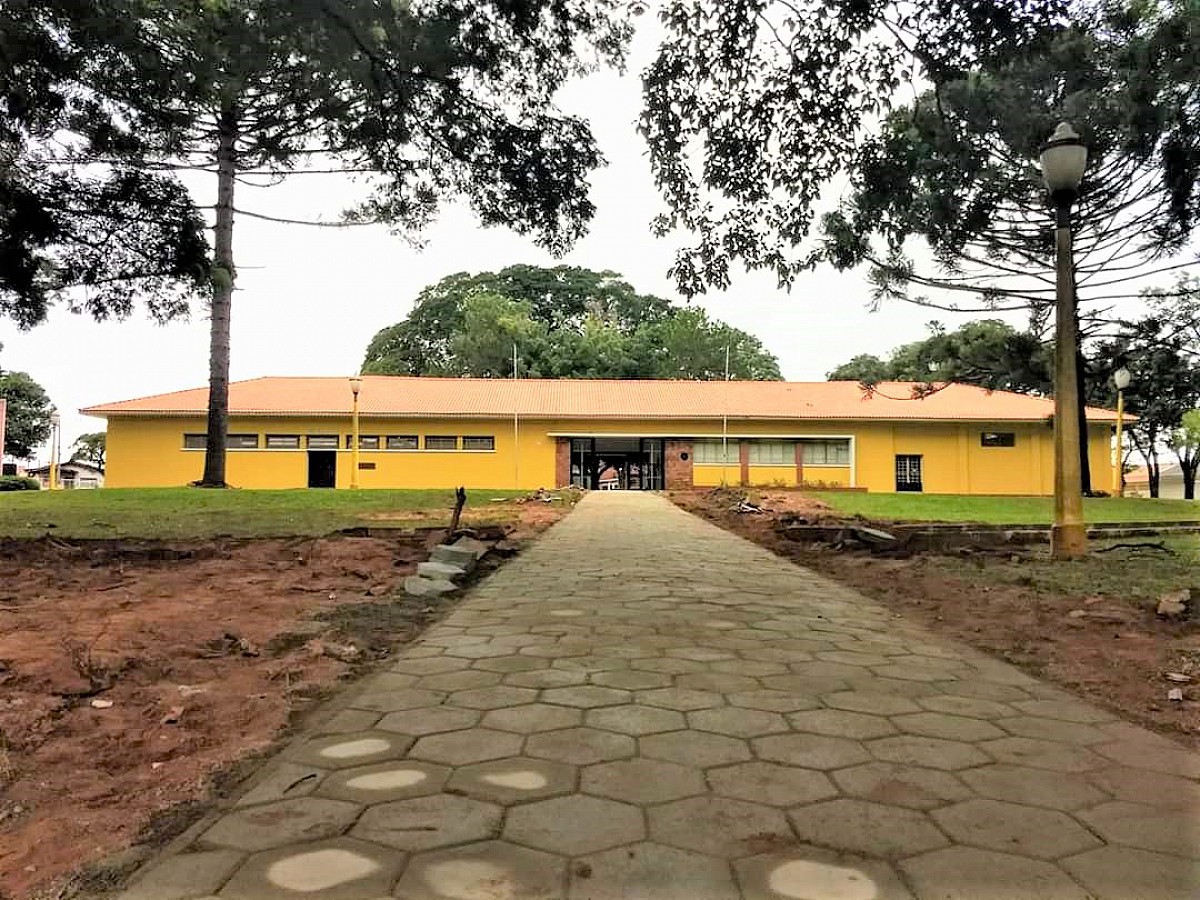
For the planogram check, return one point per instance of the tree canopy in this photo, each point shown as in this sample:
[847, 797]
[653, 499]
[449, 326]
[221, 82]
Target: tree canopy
[565, 322]
[754, 108]
[989, 353]
[450, 99]
[89, 448]
[28, 414]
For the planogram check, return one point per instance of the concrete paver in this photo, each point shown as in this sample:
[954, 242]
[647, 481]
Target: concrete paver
[645, 706]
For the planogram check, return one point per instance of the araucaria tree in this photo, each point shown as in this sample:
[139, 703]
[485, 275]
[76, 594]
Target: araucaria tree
[934, 112]
[431, 100]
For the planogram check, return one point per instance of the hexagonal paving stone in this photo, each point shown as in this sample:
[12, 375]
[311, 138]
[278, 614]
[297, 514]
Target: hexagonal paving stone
[586, 696]
[285, 822]
[954, 705]
[811, 872]
[718, 682]
[1053, 730]
[1014, 828]
[459, 681]
[390, 701]
[773, 701]
[492, 869]
[341, 751]
[383, 782]
[1066, 710]
[635, 720]
[471, 745]
[737, 722]
[283, 781]
[691, 748]
[679, 698]
[642, 781]
[184, 875]
[1143, 786]
[841, 723]
[532, 718]
[574, 825]
[810, 750]
[427, 822]
[651, 872]
[952, 728]
[718, 826]
[867, 702]
[1034, 787]
[775, 785]
[580, 746]
[492, 697]
[507, 665]
[872, 829]
[1146, 827]
[430, 665]
[753, 668]
[1042, 754]
[897, 784]
[631, 679]
[984, 690]
[514, 780]
[348, 721]
[699, 654]
[338, 869]
[934, 753]
[984, 875]
[420, 722]
[667, 666]
[1121, 873]
[1142, 753]
[805, 685]
[590, 663]
[546, 678]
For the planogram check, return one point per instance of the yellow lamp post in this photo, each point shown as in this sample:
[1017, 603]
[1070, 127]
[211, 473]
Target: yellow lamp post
[1121, 379]
[355, 387]
[1063, 160]
[56, 425]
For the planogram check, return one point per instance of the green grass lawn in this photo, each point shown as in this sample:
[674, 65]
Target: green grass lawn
[187, 513]
[1002, 510]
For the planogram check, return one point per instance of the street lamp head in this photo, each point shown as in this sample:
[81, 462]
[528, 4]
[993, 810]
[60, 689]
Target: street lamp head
[637, 9]
[355, 385]
[55, 418]
[1064, 157]
[1121, 378]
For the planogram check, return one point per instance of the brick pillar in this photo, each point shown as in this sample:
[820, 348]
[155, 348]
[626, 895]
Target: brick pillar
[799, 464]
[562, 462]
[744, 460]
[678, 471]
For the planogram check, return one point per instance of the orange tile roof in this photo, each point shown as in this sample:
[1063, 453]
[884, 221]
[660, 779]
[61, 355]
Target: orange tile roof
[403, 397]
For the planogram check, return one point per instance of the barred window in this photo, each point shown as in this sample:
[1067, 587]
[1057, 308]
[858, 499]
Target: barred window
[242, 442]
[402, 442]
[195, 441]
[998, 439]
[479, 442]
[772, 453]
[827, 453]
[365, 442]
[283, 442]
[322, 442]
[441, 442]
[708, 453]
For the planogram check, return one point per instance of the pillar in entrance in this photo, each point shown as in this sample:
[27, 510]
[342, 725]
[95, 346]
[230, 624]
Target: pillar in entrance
[562, 462]
[677, 456]
[744, 461]
[799, 464]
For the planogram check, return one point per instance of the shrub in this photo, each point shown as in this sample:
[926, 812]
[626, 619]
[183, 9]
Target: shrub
[18, 483]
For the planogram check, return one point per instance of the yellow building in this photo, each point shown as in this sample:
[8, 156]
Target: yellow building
[490, 433]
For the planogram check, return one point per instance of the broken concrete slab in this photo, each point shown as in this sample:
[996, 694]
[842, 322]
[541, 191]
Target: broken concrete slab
[479, 548]
[416, 586]
[439, 571]
[463, 557]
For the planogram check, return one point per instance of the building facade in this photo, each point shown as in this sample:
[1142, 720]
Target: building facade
[488, 433]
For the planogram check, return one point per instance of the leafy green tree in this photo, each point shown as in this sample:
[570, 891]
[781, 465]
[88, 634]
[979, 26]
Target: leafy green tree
[28, 416]
[989, 353]
[89, 448]
[432, 100]
[1185, 442]
[567, 323]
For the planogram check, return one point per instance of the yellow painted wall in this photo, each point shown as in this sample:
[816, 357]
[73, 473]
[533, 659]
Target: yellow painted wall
[145, 452]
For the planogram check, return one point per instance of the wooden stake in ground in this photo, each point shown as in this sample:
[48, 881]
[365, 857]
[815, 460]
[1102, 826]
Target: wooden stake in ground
[460, 500]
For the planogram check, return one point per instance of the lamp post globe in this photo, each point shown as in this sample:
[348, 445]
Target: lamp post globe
[355, 387]
[1064, 158]
[1121, 378]
[56, 424]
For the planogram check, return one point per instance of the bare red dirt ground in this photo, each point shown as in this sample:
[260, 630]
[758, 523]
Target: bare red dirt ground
[135, 677]
[1115, 654]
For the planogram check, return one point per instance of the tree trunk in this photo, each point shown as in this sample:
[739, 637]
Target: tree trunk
[1152, 473]
[1085, 465]
[223, 277]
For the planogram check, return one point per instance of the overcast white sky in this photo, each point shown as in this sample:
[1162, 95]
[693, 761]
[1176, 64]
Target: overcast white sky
[309, 300]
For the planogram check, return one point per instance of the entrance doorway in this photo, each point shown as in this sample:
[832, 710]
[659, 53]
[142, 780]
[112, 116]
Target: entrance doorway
[322, 468]
[625, 464]
[908, 474]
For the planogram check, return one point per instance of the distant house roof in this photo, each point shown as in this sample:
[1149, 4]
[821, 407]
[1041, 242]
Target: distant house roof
[76, 464]
[1166, 472]
[407, 397]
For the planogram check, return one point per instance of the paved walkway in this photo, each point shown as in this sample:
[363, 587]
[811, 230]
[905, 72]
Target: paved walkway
[644, 707]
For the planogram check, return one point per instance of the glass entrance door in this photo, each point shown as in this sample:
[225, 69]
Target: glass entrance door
[652, 464]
